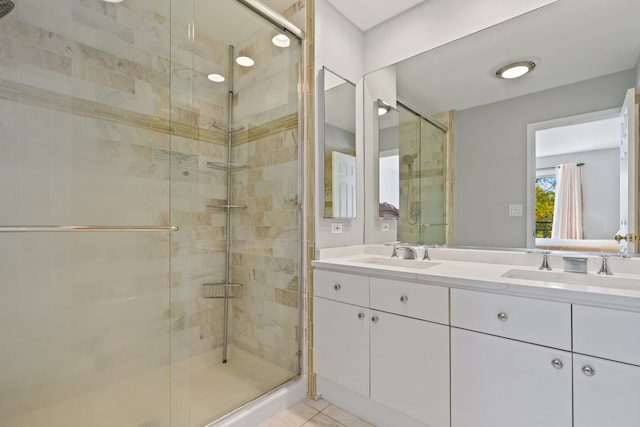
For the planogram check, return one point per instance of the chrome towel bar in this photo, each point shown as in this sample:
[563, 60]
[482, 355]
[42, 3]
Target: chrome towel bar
[67, 228]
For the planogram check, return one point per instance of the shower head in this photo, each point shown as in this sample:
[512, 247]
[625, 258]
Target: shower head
[6, 6]
[408, 159]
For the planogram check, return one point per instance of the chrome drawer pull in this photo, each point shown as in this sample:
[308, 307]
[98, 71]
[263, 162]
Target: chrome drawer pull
[502, 317]
[337, 286]
[404, 298]
[360, 316]
[375, 319]
[557, 363]
[588, 371]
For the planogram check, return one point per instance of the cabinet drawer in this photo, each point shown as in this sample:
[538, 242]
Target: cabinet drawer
[602, 332]
[410, 299]
[540, 322]
[343, 287]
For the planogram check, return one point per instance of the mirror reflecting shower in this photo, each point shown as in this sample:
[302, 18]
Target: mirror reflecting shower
[150, 230]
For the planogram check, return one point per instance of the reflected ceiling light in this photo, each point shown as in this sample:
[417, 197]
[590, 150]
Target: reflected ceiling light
[113, 1]
[245, 61]
[515, 70]
[281, 40]
[216, 78]
[383, 108]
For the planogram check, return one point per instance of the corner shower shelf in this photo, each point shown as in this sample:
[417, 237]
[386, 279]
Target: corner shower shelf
[228, 206]
[227, 127]
[226, 166]
[221, 290]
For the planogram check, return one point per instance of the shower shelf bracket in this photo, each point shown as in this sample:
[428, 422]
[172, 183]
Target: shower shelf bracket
[226, 166]
[228, 206]
[227, 127]
[221, 290]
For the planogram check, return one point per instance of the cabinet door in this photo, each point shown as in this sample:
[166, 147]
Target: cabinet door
[341, 344]
[410, 367]
[498, 382]
[605, 393]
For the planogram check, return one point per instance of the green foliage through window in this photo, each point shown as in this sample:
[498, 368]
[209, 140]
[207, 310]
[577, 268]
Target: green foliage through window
[545, 198]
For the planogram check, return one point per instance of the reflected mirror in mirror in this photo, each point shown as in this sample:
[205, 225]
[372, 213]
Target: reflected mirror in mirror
[586, 59]
[412, 174]
[338, 136]
[577, 182]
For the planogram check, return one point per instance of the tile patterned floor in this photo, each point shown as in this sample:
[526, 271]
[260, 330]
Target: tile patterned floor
[315, 413]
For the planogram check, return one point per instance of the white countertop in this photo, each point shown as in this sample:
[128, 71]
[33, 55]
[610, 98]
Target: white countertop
[486, 270]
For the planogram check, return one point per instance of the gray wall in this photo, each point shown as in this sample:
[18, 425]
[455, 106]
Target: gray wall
[491, 160]
[600, 189]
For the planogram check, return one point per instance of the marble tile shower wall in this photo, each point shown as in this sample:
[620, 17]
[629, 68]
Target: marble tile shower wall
[428, 182]
[105, 113]
[265, 237]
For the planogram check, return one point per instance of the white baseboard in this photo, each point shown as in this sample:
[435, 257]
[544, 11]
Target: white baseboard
[363, 407]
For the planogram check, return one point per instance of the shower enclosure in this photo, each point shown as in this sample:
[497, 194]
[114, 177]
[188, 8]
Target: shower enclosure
[422, 144]
[150, 226]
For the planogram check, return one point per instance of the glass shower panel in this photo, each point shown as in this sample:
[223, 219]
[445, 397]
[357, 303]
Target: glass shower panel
[85, 317]
[433, 225]
[409, 155]
[234, 153]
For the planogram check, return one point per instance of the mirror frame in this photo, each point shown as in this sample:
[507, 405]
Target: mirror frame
[321, 114]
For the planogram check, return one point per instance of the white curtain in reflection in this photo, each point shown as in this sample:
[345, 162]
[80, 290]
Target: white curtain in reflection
[567, 210]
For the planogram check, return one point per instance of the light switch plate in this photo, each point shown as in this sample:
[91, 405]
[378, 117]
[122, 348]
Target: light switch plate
[515, 210]
[336, 228]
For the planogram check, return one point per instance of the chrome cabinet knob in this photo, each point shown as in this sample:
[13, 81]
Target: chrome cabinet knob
[557, 363]
[360, 316]
[337, 286]
[404, 298]
[588, 371]
[502, 317]
[375, 319]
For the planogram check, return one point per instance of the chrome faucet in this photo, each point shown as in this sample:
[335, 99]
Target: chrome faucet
[409, 252]
[545, 261]
[604, 267]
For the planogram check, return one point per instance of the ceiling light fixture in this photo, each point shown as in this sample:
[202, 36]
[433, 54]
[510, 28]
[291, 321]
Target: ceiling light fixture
[383, 108]
[245, 61]
[515, 70]
[113, 1]
[217, 78]
[281, 40]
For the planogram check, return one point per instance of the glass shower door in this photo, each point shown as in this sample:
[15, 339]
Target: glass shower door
[84, 136]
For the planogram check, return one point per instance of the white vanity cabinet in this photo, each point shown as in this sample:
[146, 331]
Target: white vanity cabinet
[410, 356]
[377, 350]
[499, 380]
[341, 329]
[606, 377]
[341, 344]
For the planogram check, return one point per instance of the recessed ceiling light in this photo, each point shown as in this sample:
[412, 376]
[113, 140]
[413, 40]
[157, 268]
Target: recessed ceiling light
[113, 1]
[245, 61]
[216, 78]
[515, 70]
[383, 108]
[281, 40]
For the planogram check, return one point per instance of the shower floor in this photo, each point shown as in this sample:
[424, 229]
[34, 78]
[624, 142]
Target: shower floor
[203, 389]
[218, 388]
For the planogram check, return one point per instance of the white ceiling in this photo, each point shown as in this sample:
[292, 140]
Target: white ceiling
[574, 40]
[369, 13]
[589, 136]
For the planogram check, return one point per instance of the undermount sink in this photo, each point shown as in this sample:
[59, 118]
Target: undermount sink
[589, 279]
[400, 262]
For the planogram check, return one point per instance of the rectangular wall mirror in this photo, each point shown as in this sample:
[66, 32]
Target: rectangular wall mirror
[586, 59]
[337, 114]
